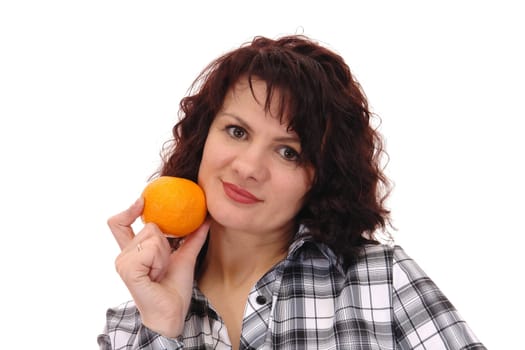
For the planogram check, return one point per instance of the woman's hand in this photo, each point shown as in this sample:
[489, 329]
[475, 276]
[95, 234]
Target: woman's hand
[159, 280]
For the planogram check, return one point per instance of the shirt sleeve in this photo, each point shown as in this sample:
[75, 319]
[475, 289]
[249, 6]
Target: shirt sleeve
[423, 317]
[124, 330]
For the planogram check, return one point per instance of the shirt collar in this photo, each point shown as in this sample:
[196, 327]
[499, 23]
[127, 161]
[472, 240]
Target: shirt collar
[303, 241]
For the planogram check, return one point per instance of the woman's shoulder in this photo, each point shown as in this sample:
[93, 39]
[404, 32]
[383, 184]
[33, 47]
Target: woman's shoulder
[376, 263]
[379, 262]
[382, 254]
[376, 256]
[122, 324]
[124, 316]
[124, 329]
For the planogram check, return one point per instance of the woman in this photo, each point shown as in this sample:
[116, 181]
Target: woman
[279, 136]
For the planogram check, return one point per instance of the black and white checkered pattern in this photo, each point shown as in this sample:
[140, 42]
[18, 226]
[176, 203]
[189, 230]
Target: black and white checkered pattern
[384, 301]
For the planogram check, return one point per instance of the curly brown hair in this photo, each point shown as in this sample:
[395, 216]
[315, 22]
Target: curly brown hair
[325, 105]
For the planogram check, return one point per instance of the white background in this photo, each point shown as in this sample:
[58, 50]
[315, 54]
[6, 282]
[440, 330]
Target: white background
[89, 91]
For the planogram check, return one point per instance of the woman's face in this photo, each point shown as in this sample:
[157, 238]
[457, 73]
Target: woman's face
[250, 169]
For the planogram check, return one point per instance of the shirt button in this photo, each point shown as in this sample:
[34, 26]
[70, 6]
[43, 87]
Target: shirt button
[261, 299]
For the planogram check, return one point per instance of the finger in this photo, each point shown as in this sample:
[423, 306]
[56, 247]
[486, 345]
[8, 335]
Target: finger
[120, 224]
[145, 257]
[183, 260]
[193, 243]
[153, 249]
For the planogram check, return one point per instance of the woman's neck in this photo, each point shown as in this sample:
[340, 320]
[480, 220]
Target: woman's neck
[237, 258]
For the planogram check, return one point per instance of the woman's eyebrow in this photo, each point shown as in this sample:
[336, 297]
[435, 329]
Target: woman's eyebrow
[286, 139]
[238, 119]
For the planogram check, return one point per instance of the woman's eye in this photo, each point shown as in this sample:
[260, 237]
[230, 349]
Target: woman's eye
[289, 154]
[236, 131]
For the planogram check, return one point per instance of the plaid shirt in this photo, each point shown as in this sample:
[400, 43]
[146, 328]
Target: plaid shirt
[308, 301]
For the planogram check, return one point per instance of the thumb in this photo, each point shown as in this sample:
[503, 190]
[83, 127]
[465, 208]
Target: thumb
[185, 256]
[193, 243]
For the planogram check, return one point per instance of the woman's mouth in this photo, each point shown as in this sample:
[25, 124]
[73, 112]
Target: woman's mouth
[238, 194]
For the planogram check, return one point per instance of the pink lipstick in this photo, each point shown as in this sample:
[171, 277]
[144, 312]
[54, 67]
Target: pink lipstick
[238, 194]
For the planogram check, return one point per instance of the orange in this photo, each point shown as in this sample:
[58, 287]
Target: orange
[176, 205]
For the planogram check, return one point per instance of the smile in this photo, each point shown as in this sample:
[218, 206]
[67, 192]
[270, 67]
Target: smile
[239, 195]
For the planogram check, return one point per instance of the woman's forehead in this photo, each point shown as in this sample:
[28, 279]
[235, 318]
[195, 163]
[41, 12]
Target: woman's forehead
[270, 97]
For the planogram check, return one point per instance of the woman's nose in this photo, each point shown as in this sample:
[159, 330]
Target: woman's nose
[251, 163]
